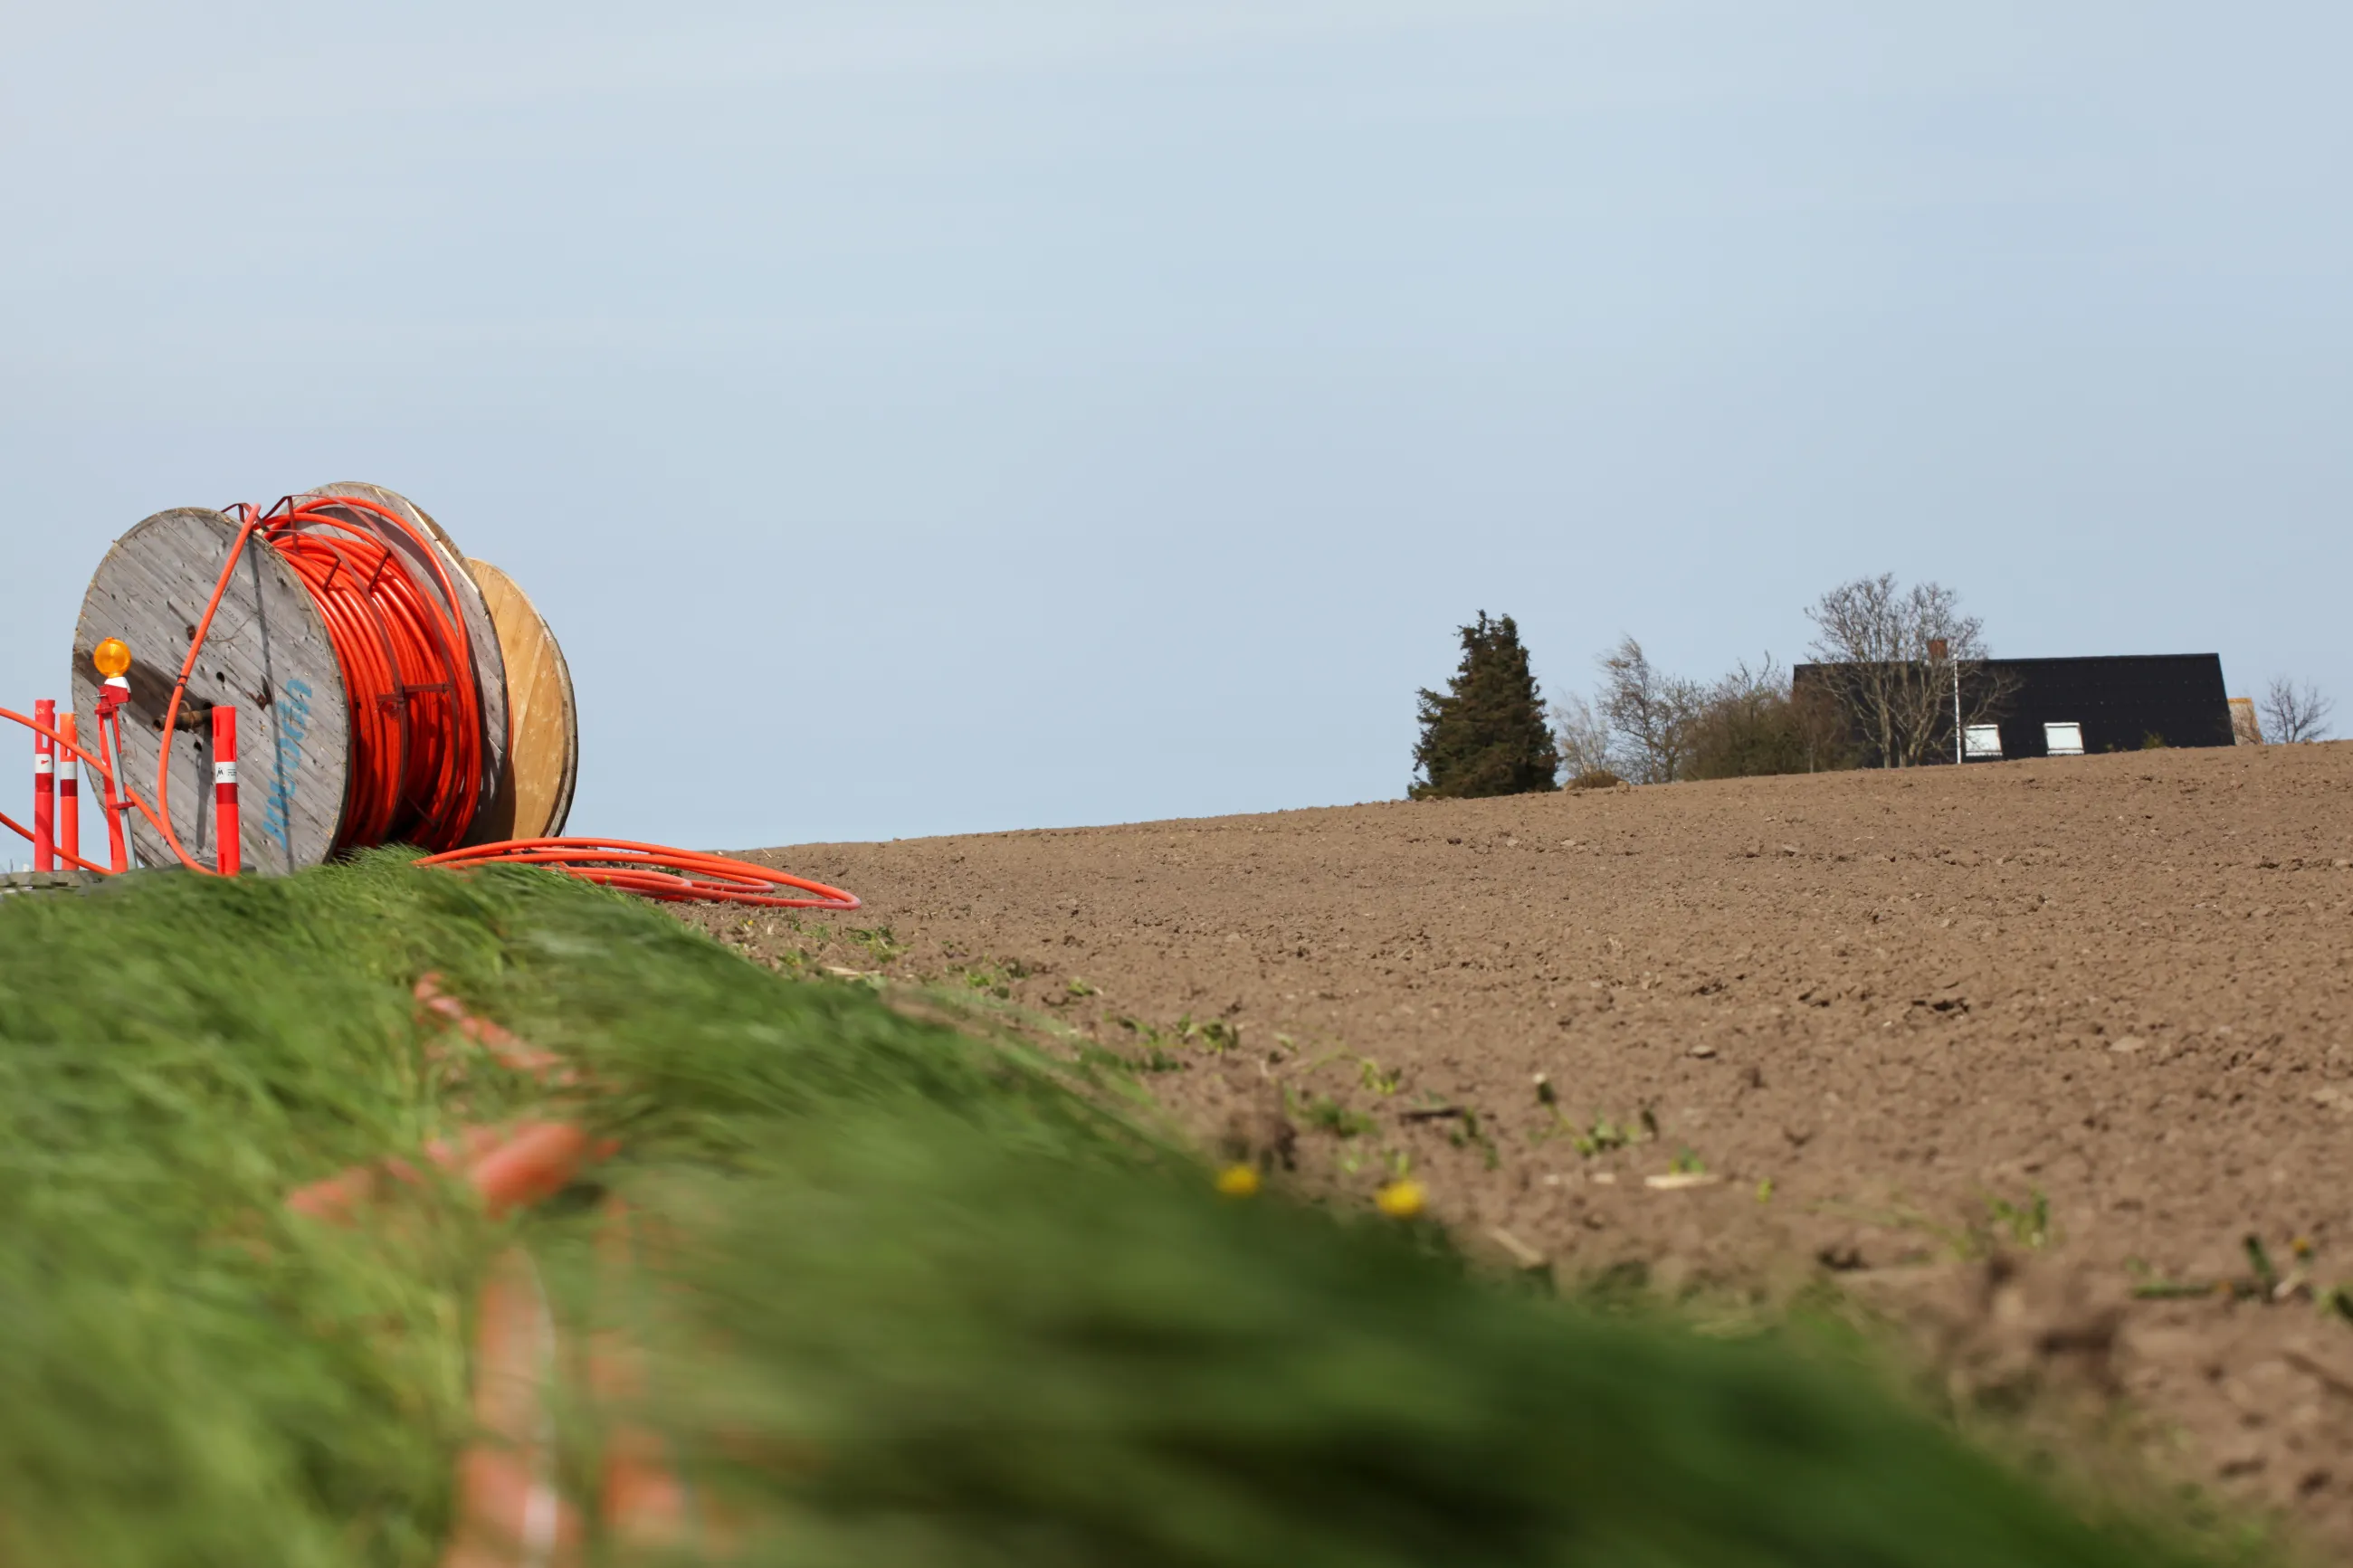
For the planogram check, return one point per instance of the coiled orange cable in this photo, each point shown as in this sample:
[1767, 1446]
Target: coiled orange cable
[407, 667]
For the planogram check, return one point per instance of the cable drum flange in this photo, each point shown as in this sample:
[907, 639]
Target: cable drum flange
[534, 794]
[267, 654]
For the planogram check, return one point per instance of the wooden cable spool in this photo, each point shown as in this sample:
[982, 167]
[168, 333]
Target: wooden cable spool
[269, 655]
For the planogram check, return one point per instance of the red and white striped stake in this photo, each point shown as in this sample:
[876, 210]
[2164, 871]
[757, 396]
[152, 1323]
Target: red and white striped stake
[225, 828]
[69, 789]
[44, 790]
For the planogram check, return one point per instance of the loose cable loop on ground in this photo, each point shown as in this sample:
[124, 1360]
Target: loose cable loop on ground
[656, 871]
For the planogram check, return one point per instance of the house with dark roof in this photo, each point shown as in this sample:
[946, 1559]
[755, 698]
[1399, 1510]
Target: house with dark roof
[2067, 707]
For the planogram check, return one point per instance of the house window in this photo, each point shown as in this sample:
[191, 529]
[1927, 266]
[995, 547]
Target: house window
[1981, 741]
[2063, 740]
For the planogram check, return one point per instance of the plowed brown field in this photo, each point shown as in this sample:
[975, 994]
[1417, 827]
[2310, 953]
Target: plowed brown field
[1860, 1024]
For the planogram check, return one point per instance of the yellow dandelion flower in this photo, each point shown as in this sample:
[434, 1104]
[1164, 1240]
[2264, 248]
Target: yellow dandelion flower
[1238, 1181]
[1400, 1199]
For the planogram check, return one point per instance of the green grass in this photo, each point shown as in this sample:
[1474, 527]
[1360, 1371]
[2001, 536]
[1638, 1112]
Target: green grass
[946, 1309]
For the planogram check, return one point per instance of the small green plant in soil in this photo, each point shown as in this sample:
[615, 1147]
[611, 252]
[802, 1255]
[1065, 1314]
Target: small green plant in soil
[1215, 1036]
[1469, 1132]
[1325, 1114]
[2026, 1224]
[1601, 1137]
[990, 979]
[876, 942]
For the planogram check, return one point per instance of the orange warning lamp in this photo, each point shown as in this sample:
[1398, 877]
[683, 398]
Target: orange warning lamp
[113, 656]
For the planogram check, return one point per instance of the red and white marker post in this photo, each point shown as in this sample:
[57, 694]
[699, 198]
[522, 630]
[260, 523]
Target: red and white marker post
[45, 788]
[111, 700]
[69, 789]
[225, 826]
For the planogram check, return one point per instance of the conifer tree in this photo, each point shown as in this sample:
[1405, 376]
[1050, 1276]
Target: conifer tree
[1486, 734]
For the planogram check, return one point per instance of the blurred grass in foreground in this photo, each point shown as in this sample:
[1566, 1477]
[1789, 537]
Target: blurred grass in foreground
[945, 1309]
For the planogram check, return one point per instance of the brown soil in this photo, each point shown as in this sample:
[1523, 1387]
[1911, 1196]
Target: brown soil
[1903, 1000]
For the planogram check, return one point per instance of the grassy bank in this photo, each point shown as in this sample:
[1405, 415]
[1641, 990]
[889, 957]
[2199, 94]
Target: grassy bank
[986, 1320]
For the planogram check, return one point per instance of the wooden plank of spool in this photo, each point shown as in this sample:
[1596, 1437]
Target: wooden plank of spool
[535, 792]
[267, 654]
[482, 634]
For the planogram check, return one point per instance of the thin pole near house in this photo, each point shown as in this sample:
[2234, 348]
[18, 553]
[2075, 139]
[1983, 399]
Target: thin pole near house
[1937, 649]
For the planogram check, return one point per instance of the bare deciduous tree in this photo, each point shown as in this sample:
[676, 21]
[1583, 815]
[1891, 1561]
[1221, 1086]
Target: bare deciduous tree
[1891, 655]
[1650, 714]
[1650, 727]
[1582, 735]
[2294, 713]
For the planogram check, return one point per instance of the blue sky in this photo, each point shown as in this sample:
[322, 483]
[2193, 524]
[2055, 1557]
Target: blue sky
[924, 417]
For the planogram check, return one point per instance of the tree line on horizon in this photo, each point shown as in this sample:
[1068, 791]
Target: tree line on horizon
[1888, 660]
